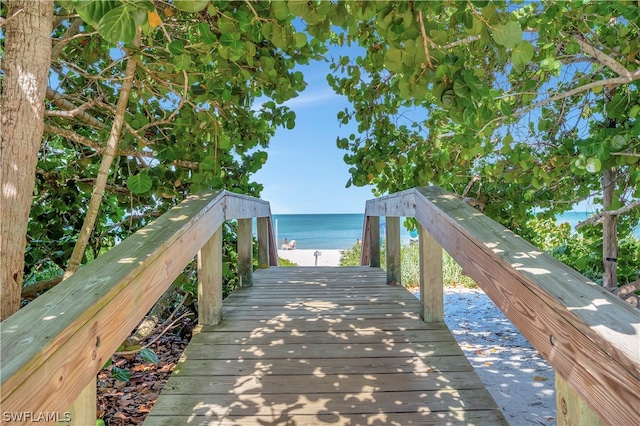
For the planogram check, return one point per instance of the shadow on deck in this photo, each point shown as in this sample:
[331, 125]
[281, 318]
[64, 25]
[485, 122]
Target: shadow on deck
[312, 346]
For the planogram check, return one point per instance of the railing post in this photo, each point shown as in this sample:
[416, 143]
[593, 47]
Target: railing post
[245, 252]
[374, 241]
[83, 410]
[393, 250]
[210, 280]
[571, 409]
[263, 242]
[431, 291]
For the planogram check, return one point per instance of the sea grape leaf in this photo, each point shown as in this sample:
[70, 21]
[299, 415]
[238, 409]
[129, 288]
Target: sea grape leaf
[92, 11]
[508, 35]
[522, 54]
[140, 183]
[118, 25]
[190, 5]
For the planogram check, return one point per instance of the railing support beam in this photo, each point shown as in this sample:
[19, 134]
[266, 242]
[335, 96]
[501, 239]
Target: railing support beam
[263, 242]
[210, 280]
[393, 250]
[374, 241]
[245, 252]
[431, 291]
[83, 410]
[571, 409]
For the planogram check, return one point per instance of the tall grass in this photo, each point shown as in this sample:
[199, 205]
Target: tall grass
[452, 275]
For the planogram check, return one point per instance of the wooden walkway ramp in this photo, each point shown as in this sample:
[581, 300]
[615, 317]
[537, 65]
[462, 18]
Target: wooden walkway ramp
[318, 346]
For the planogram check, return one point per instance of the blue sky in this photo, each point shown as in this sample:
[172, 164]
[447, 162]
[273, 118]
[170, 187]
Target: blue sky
[305, 171]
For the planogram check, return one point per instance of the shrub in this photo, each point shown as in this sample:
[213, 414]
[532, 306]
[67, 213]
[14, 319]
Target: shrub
[410, 265]
[285, 262]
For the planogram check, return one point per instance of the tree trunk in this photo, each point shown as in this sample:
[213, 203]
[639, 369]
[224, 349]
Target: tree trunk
[609, 234]
[105, 165]
[27, 61]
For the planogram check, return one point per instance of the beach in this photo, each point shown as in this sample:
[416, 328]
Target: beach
[308, 258]
[520, 381]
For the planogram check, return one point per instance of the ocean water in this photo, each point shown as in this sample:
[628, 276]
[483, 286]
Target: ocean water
[321, 231]
[340, 231]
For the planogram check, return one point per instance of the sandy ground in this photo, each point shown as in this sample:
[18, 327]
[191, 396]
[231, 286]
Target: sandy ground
[518, 378]
[307, 257]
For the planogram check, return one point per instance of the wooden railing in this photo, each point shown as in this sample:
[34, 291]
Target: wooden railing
[589, 336]
[53, 348]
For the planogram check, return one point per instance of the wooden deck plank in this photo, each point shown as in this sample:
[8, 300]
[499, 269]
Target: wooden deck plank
[317, 346]
[417, 365]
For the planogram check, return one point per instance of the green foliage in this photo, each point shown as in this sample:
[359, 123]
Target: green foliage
[583, 253]
[148, 355]
[410, 266]
[120, 374]
[350, 256]
[449, 113]
[490, 103]
[192, 123]
[286, 262]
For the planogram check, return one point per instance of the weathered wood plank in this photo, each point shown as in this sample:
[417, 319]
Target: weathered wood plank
[587, 334]
[310, 350]
[310, 383]
[283, 367]
[365, 326]
[394, 274]
[324, 416]
[52, 348]
[245, 370]
[384, 401]
[571, 409]
[431, 290]
[325, 336]
[263, 242]
[238, 206]
[82, 321]
[373, 243]
[245, 252]
[398, 204]
[210, 280]
[83, 409]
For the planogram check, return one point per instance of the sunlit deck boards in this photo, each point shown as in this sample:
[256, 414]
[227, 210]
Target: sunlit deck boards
[319, 346]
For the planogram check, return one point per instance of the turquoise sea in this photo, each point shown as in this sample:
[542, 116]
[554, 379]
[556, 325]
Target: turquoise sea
[340, 231]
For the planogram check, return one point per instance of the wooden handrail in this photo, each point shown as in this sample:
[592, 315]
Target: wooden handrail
[55, 346]
[589, 336]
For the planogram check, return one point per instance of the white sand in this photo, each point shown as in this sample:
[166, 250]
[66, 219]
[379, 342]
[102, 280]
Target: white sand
[307, 258]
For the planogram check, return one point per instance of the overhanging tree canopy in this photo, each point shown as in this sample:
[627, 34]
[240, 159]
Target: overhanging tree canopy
[518, 106]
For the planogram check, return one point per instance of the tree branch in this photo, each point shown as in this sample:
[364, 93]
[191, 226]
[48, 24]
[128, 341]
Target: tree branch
[597, 218]
[105, 164]
[616, 81]
[469, 39]
[3, 21]
[66, 37]
[602, 57]
[65, 105]
[627, 154]
[85, 141]
[72, 112]
[30, 292]
[425, 39]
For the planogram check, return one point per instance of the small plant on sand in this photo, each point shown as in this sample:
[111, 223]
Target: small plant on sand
[285, 262]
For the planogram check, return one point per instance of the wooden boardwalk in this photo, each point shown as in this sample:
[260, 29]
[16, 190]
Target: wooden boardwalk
[319, 346]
